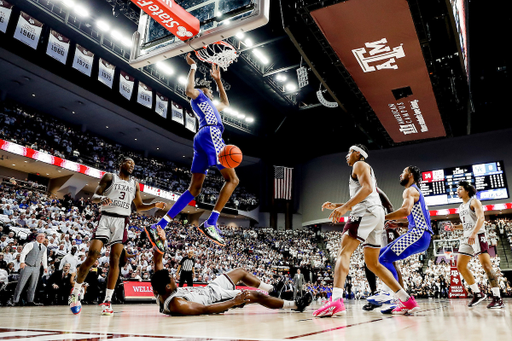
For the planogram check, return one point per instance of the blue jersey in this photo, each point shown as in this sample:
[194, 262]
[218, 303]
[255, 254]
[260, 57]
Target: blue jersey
[420, 216]
[206, 112]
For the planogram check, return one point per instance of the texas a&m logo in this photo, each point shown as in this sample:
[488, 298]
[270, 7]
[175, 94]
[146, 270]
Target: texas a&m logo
[379, 55]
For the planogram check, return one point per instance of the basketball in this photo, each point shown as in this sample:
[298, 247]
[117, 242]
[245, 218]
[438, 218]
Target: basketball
[230, 156]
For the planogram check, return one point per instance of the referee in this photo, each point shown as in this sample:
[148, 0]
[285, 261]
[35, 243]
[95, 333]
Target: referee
[186, 267]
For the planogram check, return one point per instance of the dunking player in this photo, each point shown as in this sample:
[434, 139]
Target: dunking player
[207, 144]
[364, 226]
[419, 233]
[474, 243]
[115, 193]
[218, 296]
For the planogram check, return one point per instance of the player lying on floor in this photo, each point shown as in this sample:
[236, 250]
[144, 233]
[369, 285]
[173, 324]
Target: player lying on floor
[218, 296]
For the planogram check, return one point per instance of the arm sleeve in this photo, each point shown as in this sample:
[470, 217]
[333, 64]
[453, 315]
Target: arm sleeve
[25, 252]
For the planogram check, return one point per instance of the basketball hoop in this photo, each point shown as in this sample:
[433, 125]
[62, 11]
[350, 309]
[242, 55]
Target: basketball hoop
[448, 255]
[220, 53]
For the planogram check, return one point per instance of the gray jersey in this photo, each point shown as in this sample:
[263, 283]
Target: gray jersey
[121, 193]
[371, 200]
[468, 218]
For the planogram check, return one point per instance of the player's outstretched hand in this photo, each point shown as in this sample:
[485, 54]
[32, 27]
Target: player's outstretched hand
[242, 298]
[190, 61]
[449, 227]
[338, 213]
[105, 201]
[215, 73]
[391, 224]
[328, 205]
[161, 205]
[161, 233]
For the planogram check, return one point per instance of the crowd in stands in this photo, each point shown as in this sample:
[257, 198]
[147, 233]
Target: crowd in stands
[46, 134]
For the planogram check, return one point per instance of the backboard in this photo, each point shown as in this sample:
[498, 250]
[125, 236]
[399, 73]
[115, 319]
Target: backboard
[446, 247]
[220, 19]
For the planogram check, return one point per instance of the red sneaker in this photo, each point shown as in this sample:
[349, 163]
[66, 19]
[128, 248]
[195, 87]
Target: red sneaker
[408, 307]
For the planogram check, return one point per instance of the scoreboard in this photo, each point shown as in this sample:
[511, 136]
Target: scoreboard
[439, 187]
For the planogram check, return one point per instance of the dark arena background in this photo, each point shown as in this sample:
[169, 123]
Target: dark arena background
[84, 82]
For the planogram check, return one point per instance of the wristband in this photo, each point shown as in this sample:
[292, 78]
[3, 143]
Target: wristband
[193, 67]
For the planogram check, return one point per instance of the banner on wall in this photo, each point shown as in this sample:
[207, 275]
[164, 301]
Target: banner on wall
[83, 60]
[177, 113]
[28, 30]
[5, 15]
[190, 120]
[58, 46]
[162, 103]
[106, 72]
[126, 85]
[145, 95]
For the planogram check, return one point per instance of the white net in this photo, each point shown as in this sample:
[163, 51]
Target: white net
[221, 54]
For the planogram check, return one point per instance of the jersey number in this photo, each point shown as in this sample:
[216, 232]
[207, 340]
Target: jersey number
[123, 194]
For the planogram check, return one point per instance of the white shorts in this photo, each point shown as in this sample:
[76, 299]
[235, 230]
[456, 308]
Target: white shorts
[368, 228]
[222, 289]
[112, 230]
[480, 246]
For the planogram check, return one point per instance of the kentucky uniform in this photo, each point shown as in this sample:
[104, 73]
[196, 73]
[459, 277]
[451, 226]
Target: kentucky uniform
[367, 217]
[219, 290]
[208, 141]
[416, 240]
[114, 218]
[468, 218]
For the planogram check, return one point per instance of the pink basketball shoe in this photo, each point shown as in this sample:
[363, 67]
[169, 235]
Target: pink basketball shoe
[331, 308]
[408, 307]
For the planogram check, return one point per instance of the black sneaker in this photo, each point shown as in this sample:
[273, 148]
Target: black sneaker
[303, 302]
[477, 298]
[370, 306]
[154, 238]
[212, 232]
[497, 303]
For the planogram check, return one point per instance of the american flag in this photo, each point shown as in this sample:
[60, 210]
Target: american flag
[283, 182]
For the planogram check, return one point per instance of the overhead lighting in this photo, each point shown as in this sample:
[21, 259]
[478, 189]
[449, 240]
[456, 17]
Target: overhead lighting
[227, 22]
[116, 35]
[215, 102]
[240, 35]
[14, 164]
[33, 95]
[164, 68]
[135, 139]
[242, 116]
[127, 42]
[103, 25]
[248, 42]
[260, 56]
[281, 77]
[68, 3]
[157, 148]
[291, 87]
[228, 110]
[106, 127]
[235, 113]
[249, 119]
[182, 80]
[81, 11]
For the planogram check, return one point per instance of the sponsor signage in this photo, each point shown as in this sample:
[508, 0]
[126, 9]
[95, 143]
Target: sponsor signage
[457, 289]
[381, 51]
[171, 16]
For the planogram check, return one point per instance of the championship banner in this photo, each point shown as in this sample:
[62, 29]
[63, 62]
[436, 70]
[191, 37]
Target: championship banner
[145, 95]
[83, 60]
[28, 30]
[106, 72]
[190, 121]
[58, 46]
[162, 103]
[386, 62]
[126, 85]
[5, 14]
[456, 287]
[177, 113]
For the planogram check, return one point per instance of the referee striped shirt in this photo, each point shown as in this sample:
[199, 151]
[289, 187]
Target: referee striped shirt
[187, 264]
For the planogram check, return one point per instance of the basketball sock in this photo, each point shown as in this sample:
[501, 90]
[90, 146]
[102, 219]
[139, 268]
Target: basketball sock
[77, 288]
[474, 288]
[496, 292]
[180, 204]
[289, 305]
[266, 287]
[402, 295]
[212, 220]
[108, 295]
[337, 293]
[371, 278]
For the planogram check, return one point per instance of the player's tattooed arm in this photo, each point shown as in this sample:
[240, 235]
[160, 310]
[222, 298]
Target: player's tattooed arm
[98, 197]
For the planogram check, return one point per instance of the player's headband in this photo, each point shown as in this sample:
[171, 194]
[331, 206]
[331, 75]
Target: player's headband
[357, 149]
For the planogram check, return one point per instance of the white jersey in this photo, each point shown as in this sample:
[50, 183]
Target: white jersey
[371, 200]
[468, 218]
[121, 193]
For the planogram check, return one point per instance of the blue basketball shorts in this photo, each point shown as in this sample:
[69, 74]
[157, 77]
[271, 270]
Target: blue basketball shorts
[207, 145]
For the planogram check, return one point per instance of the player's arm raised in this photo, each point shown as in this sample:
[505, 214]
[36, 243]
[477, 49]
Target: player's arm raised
[98, 197]
[180, 306]
[140, 206]
[224, 101]
[408, 203]
[362, 171]
[190, 90]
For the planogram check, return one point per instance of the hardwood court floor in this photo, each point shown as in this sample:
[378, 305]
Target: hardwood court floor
[439, 320]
